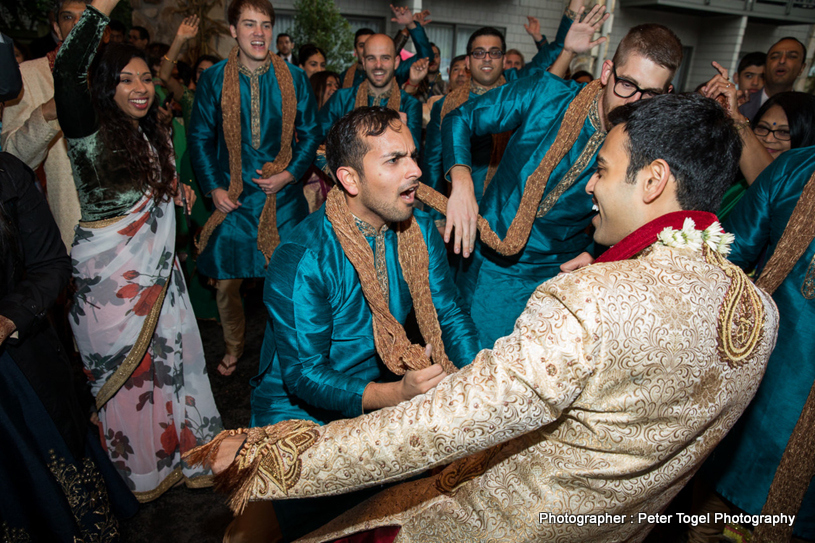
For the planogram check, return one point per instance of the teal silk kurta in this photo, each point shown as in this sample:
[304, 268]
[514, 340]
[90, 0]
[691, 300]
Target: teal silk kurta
[342, 102]
[318, 352]
[423, 50]
[232, 250]
[744, 464]
[496, 288]
[432, 170]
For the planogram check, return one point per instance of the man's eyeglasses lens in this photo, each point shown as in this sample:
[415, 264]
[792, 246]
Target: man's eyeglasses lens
[481, 53]
[626, 89]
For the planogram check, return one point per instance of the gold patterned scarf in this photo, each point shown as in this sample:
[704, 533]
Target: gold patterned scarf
[392, 344]
[394, 100]
[499, 141]
[521, 226]
[797, 466]
[268, 237]
[348, 82]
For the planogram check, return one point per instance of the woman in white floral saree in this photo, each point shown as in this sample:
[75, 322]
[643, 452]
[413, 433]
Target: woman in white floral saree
[132, 317]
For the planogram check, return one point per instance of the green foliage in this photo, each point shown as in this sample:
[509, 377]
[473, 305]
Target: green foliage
[24, 15]
[319, 22]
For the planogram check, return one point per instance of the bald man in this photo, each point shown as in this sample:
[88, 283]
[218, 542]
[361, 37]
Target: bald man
[379, 88]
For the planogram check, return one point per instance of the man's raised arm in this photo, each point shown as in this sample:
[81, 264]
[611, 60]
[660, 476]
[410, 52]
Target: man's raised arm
[500, 110]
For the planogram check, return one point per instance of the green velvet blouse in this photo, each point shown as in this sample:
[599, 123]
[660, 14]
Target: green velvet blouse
[104, 189]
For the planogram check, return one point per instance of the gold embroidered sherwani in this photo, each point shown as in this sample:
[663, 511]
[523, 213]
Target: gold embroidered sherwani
[617, 381]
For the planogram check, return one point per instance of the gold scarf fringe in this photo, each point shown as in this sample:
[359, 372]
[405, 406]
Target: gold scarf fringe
[521, 226]
[268, 236]
[348, 82]
[392, 344]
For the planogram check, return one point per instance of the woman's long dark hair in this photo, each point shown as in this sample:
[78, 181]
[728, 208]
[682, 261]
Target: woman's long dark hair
[124, 145]
[799, 107]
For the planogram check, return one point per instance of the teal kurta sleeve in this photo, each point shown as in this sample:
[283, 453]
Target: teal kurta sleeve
[204, 132]
[432, 173]
[298, 305]
[500, 110]
[309, 131]
[413, 109]
[423, 50]
[750, 221]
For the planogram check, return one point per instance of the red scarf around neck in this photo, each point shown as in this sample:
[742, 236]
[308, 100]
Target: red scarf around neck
[646, 235]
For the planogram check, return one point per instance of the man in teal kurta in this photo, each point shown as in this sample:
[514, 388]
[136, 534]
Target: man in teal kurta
[417, 33]
[319, 360]
[495, 288]
[743, 466]
[318, 352]
[380, 62]
[488, 39]
[232, 252]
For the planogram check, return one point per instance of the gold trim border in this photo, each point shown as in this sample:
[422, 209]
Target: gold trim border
[101, 223]
[136, 354]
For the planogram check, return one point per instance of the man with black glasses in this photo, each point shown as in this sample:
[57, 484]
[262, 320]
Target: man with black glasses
[485, 50]
[536, 205]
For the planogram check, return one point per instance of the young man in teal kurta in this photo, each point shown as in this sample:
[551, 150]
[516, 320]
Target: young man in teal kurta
[381, 62]
[495, 288]
[320, 361]
[232, 252]
[743, 466]
[319, 354]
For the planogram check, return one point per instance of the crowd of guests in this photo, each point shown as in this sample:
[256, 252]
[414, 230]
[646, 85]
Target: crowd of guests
[171, 180]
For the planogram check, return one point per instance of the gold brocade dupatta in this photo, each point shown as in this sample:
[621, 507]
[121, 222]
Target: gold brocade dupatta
[521, 226]
[394, 100]
[797, 466]
[348, 82]
[499, 141]
[392, 344]
[268, 237]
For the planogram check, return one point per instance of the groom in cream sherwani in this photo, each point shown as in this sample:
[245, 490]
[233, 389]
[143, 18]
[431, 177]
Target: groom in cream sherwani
[616, 383]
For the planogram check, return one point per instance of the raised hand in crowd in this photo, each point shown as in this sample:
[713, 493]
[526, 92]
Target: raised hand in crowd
[754, 157]
[579, 38]
[418, 71]
[533, 28]
[423, 17]
[187, 30]
[403, 16]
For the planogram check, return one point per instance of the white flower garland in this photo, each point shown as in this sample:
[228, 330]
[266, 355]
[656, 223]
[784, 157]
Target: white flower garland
[689, 237]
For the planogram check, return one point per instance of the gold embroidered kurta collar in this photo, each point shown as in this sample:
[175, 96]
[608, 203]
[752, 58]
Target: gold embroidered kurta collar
[379, 253]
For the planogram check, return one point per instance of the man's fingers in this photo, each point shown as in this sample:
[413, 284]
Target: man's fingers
[428, 350]
[457, 244]
[448, 227]
[431, 383]
[428, 373]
